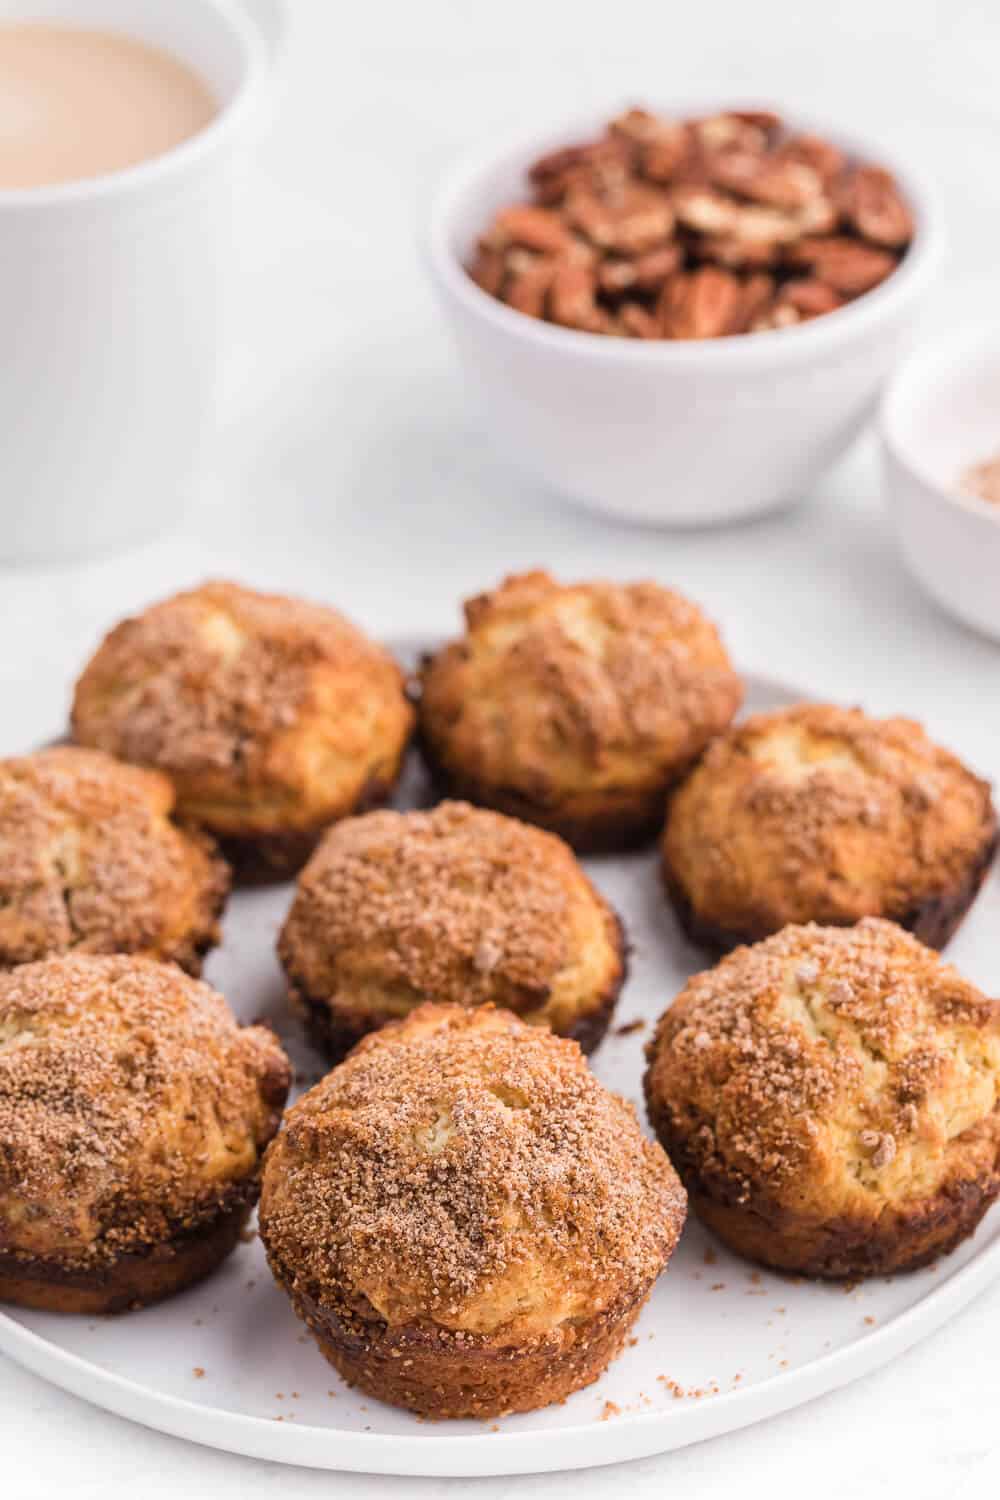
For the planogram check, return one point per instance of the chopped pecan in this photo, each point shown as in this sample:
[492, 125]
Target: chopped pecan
[739, 254]
[653, 268]
[638, 322]
[601, 166]
[643, 273]
[818, 217]
[873, 206]
[764, 119]
[641, 126]
[778, 315]
[528, 285]
[616, 277]
[810, 298]
[535, 228]
[699, 304]
[629, 222]
[755, 299]
[812, 151]
[663, 159]
[573, 298]
[758, 224]
[644, 221]
[718, 132]
[845, 265]
[787, 185]
[704, 210]
[489, 269]
[662, 145]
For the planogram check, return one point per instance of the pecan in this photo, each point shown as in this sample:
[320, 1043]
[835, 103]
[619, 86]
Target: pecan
[823, 157]
[818, 217]
[873, 206]
[616, 277]
[641, 127]
[601, 166]
[489, 269]
[845, 265]
[663, 145]
[755, 299]
[653, 268]
[534, 228]
[788, 185]
[644, 221]
[638, 322]
[778, 315]
[700, 304]
[573, 298]
[738, 254]
[717, 132]
[644, 273]
[758, 224]
[764, 119]
[810, 297]
[628, 222]
[528, 285]
[704, 210]
[663, 159]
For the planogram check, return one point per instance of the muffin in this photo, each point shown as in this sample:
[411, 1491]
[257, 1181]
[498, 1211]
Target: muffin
[133, 1116]
[91, 862]
[830, 1098]
[457, 905]
[822, 814]
[272, 717]
[466, 1220]
[576, 706]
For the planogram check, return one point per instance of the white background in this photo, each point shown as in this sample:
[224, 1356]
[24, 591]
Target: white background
[350, 472]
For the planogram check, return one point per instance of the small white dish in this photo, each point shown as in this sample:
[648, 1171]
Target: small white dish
[940, 416]
[675, 433]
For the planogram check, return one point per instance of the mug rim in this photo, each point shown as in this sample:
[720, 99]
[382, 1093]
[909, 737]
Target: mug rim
[126, 183]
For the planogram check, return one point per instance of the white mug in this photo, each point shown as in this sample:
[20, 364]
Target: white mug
[112, 299]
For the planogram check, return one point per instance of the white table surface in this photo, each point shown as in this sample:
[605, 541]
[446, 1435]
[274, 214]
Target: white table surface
[350, 472]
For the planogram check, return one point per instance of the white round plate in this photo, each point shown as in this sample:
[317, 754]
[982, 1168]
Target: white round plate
[720, 1345]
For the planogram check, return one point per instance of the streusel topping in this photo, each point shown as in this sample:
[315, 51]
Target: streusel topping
[588, 683]
[90, 861]
[204, 680]
[827, 1051]
[450, 903]
[463, 1170]
[131, 1105]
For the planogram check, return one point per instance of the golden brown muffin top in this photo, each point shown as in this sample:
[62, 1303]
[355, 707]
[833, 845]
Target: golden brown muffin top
[465, 1171]
[819, 811]
[589, 683]
[243, 689]
[460, 904]
[91, 862]
[131, 1105]
[825, 1066]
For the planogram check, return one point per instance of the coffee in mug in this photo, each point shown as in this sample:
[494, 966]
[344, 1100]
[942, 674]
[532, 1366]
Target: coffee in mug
[79, 102]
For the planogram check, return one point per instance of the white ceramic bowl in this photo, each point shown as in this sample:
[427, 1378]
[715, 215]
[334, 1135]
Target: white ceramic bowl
[675, 433]
[940, 415]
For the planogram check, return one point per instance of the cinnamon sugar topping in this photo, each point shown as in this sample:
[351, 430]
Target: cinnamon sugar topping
[464, 1169]
[131, 1105]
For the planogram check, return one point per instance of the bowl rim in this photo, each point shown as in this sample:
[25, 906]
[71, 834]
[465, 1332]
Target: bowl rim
[947, 350]
[824, 335]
